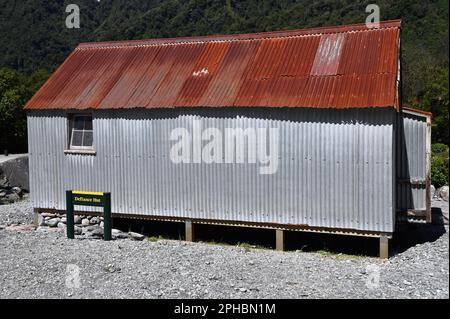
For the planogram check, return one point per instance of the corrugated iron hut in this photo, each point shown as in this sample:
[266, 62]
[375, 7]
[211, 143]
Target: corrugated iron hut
[348, 157]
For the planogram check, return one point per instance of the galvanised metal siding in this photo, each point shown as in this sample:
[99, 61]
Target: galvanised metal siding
[335, 168]
[411, 161]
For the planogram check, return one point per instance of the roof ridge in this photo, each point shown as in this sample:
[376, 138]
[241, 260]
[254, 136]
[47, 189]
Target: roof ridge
[240, 37]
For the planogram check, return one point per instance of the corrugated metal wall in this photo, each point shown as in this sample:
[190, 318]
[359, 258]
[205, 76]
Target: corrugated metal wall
[411, 162]
[335, 167]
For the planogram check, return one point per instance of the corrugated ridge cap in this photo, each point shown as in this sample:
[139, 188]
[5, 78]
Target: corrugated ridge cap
[238, 37]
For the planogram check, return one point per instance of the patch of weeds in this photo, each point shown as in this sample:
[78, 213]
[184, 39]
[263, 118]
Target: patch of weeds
[217, 243]
[339, 256]
[155, 238]
[250, 246]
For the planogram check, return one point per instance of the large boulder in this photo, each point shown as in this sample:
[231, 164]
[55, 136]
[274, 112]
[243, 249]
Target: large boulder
[14, 172]
[443, 193]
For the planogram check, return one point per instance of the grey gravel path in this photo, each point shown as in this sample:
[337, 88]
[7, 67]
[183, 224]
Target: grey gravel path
[36, 264]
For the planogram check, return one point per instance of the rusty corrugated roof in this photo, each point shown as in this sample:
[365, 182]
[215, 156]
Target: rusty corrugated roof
[332, 67]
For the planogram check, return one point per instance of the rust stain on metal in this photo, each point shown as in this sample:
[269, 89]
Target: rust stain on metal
[333, 67]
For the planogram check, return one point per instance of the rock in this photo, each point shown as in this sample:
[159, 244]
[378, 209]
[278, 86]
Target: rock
[118, 234]
[17, 190]
[111, 268]
[61, 225]
[98, 233]
[77, 219]
[102, 224]
[11, 198]
[94, 220]
[94, 232]
[443, 193]
[85, 222]
[135, 236]
[445, 218]
[51, 215]
[39, 220]
[64, 220]
[432, 191]
[53, 222]
[78, 230]
[4, 181]
[90, 228]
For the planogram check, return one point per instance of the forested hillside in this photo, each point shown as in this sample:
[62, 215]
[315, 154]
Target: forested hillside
[33, 34]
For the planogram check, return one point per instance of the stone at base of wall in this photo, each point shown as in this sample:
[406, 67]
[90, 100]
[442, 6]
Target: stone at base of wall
[90, 227]
[52, 220]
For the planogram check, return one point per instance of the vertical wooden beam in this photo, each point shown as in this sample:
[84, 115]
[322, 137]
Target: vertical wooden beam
[428, 171]
[384, 247]
[37, 218]
[189, 229]
[279, 239]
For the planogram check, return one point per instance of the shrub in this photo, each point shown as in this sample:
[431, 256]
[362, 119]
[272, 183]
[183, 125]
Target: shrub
[439, 171]
[438, 148]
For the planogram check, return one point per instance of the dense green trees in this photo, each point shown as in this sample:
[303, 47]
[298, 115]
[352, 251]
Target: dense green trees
[33, 34]
[15, 90]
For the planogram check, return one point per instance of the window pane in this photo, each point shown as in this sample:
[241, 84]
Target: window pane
[78, 123]
[88, 123]
[77, 138]
[87, 138]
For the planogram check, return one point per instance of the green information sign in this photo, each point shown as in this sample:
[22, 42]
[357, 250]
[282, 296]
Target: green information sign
[87, 198]
[83, 198]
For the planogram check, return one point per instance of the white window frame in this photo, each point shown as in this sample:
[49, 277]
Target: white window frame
[72, 118]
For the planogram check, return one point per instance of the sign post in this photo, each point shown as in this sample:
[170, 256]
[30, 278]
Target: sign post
[88, 199]
[69, 216]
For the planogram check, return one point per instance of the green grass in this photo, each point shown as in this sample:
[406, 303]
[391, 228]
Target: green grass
[244, 245]
[155, 238]
[339, 256]
[217, 243]
[250, 246]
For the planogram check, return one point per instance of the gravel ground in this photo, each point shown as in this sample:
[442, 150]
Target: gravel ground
[17, 213]
[440, 204]
[36, 264]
